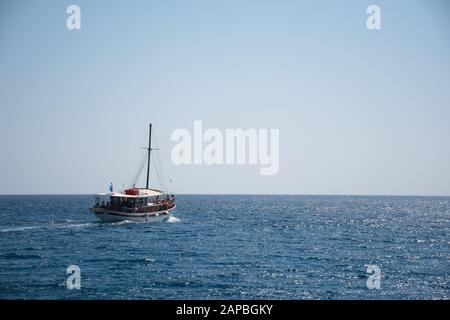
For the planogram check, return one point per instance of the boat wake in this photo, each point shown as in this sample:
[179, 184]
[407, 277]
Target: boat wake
[50, 225]
[12, 229]
[120, 223]
[79, 225]
[173, 219]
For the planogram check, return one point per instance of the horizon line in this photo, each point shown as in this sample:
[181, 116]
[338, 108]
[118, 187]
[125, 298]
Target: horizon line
[238, 194]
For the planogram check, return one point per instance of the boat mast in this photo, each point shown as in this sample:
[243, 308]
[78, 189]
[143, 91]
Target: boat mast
[149, 151]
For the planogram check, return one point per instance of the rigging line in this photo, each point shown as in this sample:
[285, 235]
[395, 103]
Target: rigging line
[172, 188]
[162, 171]
[158, 168]
[139, 170]
[163, 178]
[157, 162]
[163, 168]
[130, 154]
[166, 173]
[155, 165]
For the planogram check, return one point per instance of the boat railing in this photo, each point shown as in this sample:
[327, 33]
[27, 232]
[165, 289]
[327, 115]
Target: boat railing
[159, 205]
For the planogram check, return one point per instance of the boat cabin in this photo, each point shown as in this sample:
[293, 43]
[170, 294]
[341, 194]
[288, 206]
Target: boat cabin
[135, 200]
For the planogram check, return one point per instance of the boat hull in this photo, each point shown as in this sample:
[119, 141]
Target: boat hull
[117, 216]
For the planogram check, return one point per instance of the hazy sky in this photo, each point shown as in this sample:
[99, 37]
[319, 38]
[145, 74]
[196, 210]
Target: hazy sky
[359, 111]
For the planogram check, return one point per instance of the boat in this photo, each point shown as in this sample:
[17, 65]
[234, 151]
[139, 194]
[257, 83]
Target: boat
[135, 204]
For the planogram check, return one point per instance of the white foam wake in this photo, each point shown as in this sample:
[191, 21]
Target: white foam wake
[50, 225]
[173, 219]
[119, 223]
[13, 229]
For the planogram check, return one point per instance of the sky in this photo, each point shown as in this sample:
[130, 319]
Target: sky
[358, 111]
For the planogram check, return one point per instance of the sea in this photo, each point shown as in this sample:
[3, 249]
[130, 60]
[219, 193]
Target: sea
[229, 247]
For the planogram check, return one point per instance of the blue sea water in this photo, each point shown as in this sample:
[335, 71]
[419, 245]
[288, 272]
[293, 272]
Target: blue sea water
[229, 247]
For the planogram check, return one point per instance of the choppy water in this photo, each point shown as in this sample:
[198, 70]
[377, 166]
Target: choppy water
[229, 247]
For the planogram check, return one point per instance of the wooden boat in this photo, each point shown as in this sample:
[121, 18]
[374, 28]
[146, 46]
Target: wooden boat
[135, 204]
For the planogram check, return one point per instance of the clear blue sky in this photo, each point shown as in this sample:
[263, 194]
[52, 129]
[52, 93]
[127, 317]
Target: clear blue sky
[359, 111]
